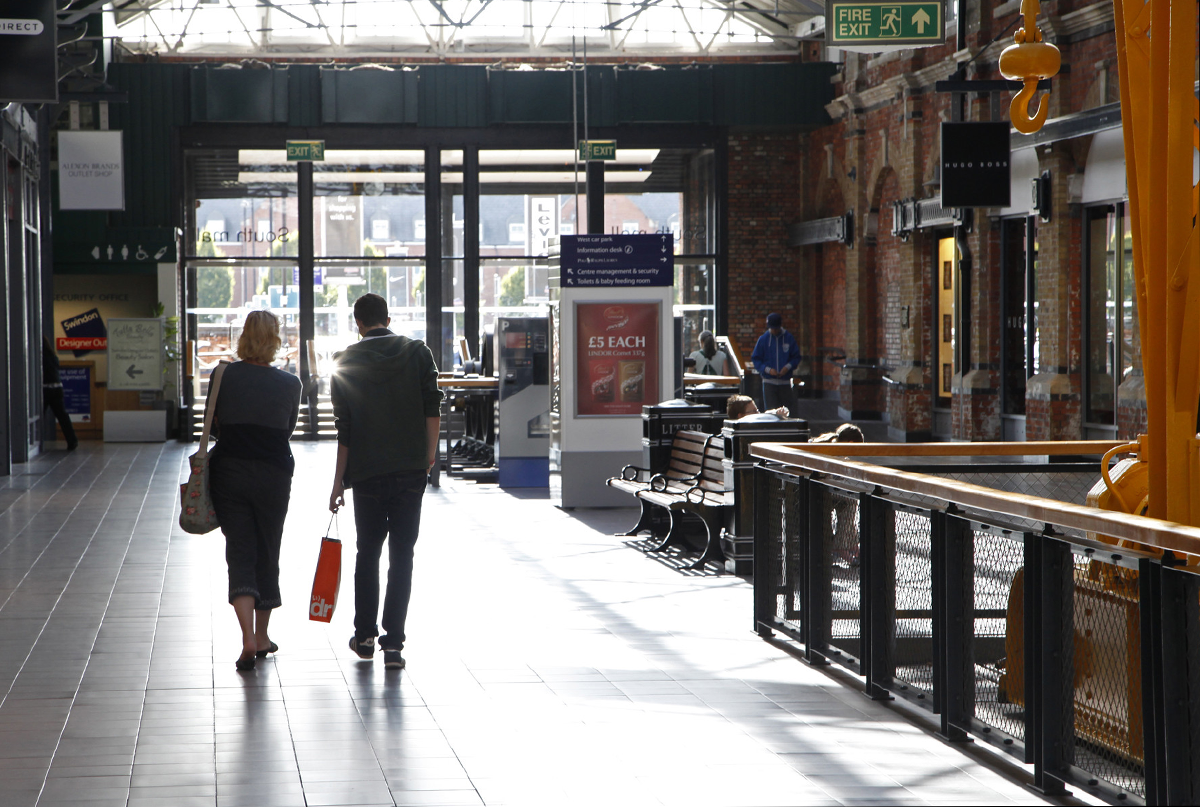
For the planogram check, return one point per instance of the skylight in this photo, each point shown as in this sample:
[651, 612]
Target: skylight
[440, 28]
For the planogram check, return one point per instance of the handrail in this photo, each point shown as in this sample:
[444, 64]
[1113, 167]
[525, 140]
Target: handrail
[1153, 532]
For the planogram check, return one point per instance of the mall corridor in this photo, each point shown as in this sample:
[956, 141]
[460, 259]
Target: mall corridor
[548, 664]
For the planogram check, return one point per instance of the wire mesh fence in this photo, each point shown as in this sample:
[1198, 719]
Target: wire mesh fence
[913, 553]
[1052, 661]
[999, 673]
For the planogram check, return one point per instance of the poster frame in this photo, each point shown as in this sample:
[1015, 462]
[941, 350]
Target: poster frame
[581, 359]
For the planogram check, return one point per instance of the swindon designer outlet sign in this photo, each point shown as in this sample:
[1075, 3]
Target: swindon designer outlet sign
[91, 172]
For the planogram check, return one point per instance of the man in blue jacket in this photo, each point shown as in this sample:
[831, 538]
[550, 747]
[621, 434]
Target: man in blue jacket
[776, 356]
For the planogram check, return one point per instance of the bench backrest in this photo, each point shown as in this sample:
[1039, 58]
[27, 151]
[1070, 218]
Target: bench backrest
[697, 454]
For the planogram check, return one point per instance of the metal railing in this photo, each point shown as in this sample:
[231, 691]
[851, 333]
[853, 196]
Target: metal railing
[980, 587]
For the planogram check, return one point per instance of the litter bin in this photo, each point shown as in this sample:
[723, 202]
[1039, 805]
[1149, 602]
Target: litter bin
[660, 421]
[737, 537]
[714, 395]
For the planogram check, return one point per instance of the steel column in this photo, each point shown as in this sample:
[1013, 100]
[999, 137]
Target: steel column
[815, 596]
[595, 197]
[433, 252]
[304, 212]
[1179, 593]
[877, 588]
[471, 246]
[958, 609]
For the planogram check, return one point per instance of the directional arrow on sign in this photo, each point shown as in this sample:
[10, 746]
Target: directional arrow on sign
[132, 373]
[920, 19]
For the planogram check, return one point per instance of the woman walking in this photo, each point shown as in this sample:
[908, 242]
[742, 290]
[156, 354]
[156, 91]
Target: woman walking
[250, 475]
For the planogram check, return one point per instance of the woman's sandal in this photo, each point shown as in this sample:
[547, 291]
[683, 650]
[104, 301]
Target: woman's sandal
[274, 648]
[244, 663]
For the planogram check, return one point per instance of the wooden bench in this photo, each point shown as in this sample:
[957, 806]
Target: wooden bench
[693, 485]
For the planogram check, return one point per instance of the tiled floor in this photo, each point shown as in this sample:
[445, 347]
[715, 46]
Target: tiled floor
[548, 664]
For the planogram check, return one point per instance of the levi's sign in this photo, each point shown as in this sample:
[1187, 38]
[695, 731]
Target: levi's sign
[908, 24]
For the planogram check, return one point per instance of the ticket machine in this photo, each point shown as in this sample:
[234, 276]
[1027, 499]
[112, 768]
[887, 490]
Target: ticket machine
[522, 356]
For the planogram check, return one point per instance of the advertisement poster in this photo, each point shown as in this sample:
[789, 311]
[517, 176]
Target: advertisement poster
[617, 350]
[77, 392]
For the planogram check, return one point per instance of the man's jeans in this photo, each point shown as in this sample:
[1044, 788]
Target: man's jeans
[383, 506]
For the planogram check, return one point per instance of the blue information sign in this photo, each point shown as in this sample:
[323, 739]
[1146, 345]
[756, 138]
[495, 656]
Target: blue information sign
[77, 392]
[618, 260]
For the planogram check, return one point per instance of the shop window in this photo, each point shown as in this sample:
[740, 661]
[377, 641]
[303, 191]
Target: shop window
[945, 285]
[1019, 348]
[1110, 316]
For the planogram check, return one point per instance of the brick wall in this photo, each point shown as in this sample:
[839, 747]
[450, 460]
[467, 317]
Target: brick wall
[763, 197]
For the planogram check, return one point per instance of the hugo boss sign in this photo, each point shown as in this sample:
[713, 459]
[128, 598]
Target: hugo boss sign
[28, 68]
[975, 165]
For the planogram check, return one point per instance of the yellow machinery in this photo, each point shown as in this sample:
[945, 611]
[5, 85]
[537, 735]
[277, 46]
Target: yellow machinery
[1160, 115]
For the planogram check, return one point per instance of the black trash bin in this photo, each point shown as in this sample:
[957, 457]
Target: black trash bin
[660, 421]
[737, 537]
[714, 395]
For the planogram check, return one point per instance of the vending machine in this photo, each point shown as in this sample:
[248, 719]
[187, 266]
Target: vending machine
[522, 356]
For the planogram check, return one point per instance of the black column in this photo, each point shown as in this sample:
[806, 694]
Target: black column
[471, 247]
[721, 198]
[304, 208]
[595, 197]
[433, 253]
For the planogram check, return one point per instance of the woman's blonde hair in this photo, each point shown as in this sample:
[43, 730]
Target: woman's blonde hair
[260, 337]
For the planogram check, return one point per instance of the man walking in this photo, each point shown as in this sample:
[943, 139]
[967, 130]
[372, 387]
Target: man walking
[776, 356]
[387, 408]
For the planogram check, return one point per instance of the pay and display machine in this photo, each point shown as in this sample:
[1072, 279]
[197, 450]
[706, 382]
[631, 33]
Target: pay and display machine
[522, 356]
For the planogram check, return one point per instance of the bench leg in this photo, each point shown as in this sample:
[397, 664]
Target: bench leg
[712, 544]
[674, 535]
[651, 519]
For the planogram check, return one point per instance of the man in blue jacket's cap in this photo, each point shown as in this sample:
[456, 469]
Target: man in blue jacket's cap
[776, 356]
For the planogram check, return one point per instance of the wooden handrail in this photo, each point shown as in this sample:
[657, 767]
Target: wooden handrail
[1012, 449]
[1152, 532]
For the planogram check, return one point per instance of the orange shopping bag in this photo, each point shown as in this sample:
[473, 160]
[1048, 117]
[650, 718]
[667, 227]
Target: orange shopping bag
[327, 580]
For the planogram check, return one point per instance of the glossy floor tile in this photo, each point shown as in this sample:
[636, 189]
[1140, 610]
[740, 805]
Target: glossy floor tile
[548, 663]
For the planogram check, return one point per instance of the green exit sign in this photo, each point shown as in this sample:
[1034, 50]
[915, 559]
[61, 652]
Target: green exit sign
[306, 150]
[597, 149]
[887, 25]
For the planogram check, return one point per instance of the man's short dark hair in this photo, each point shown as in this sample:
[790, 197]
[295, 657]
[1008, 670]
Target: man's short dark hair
[371, 309]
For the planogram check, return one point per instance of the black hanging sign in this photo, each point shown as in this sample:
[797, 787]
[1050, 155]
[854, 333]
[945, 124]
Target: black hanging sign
[976, 165]
[28, 40]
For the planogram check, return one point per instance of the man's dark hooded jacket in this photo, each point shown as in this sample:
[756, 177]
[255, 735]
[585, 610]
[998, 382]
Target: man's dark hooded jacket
[383, 389]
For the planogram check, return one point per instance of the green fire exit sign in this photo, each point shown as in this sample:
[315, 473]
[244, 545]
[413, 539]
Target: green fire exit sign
[597, 149]
[866, 24]
[298, 150]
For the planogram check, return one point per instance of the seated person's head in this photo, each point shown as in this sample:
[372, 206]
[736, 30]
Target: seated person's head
[739, 406]
[846, 433]
[371, 311]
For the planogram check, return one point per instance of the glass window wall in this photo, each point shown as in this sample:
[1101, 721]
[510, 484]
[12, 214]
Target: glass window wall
[1111, 337]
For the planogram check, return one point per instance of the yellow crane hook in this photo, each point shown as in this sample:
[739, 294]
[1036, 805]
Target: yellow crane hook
[1029, 60]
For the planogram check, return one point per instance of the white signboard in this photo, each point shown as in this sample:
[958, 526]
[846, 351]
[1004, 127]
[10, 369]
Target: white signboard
[135, 354]
[90, 171]
[541, 215]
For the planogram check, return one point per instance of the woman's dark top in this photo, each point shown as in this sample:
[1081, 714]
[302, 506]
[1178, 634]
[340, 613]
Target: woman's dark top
[256, 413]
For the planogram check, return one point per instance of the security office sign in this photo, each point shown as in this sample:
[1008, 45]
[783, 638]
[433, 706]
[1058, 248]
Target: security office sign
[976, 165]
[28, 40]
[90, 171]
